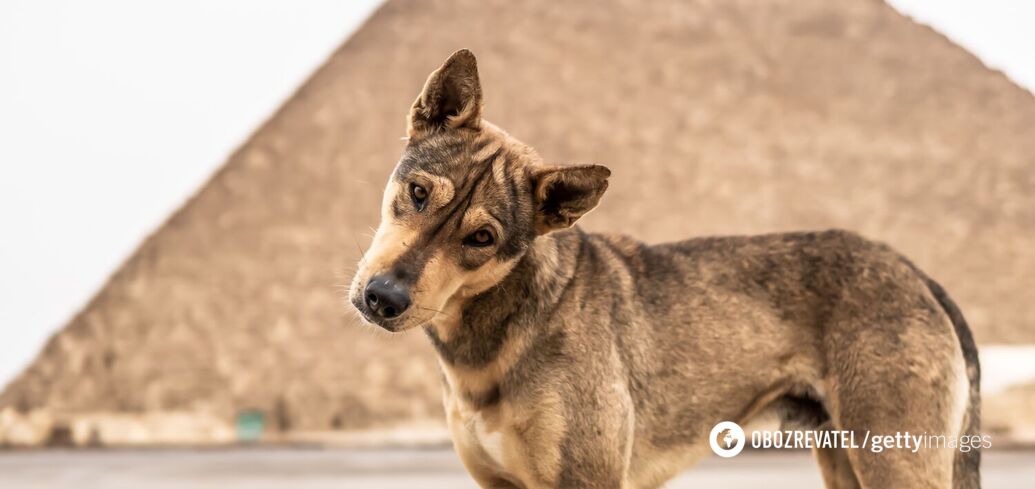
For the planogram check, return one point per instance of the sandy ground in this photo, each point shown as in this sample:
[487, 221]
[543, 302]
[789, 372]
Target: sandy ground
[437, 468]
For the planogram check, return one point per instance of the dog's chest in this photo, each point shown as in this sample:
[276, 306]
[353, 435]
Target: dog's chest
[490, 441]
[480, 432]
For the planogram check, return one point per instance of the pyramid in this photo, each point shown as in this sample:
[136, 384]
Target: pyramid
[716, 117]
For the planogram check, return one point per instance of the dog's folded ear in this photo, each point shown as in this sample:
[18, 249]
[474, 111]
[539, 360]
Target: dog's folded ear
[564, 193]
[452, 97]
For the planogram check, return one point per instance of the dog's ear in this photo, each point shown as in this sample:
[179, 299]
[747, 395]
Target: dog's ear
[564, 193]
[452, 97]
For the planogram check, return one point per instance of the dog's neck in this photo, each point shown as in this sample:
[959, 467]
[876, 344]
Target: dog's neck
[495, 321]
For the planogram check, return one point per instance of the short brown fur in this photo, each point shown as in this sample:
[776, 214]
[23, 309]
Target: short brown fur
[573, 359]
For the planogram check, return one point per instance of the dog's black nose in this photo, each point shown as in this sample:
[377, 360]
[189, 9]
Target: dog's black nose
[385, 297]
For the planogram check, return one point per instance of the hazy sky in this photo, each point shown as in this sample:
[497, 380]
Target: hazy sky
[113, 112]
[999, 32]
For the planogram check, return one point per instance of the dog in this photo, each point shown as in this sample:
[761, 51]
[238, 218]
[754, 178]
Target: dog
[571, 359]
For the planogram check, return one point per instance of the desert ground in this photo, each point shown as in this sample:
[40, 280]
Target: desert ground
[258, 468]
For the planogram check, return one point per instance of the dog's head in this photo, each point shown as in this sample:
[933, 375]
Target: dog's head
[464, 204]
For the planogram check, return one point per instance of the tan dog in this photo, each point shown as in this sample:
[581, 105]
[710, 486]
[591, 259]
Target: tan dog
[583, 360]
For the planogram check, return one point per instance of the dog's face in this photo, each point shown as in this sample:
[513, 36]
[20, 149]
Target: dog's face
[464, 204]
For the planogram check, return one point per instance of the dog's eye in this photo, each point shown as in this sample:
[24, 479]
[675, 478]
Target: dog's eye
[419, 195]
[479, 239]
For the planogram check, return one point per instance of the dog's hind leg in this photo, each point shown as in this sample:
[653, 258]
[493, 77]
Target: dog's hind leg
[893, 381]
[836, 468]
[804, 412]
[967, 472]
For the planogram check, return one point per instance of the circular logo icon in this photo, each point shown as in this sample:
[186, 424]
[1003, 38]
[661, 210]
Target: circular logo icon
[727, 439]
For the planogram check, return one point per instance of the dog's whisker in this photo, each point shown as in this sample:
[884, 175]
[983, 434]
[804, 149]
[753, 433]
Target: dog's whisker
[358, 247]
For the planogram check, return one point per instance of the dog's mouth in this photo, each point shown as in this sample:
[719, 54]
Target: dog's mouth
[406, 321]
[386, 300]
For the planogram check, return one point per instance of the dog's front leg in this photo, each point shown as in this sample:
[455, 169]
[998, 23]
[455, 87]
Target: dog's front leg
[596, 470]
[597, 446]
